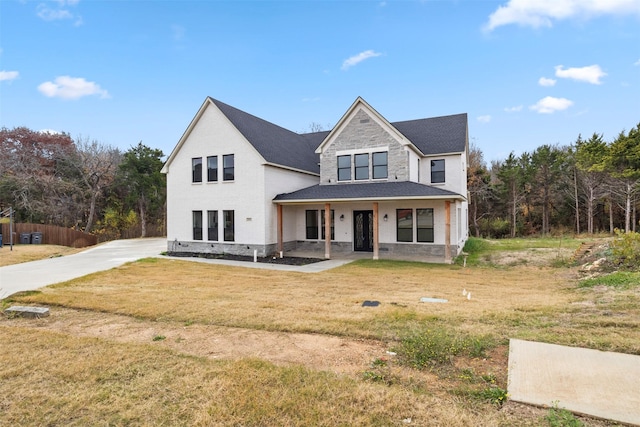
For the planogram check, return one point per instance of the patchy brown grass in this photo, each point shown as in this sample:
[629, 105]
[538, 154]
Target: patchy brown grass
[26, 253]
[143, 344]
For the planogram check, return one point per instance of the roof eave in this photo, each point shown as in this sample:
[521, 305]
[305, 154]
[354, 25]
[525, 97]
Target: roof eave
[369, 199]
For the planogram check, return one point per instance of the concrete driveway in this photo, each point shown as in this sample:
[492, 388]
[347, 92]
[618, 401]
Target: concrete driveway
[30, 276]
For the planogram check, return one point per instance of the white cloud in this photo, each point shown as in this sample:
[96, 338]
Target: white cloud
[549, 104]
[591, 74]
[484, 119]
[513, 109]
[356, 59]
[8, 75]
[66, 87]
[58, 12]
[543, 81]
[637, 63]
[542, 13]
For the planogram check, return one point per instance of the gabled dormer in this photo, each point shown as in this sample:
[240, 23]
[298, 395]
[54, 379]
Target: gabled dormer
[364, 147]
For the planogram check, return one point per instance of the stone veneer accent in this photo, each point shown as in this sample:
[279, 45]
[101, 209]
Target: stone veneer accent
[363, 132]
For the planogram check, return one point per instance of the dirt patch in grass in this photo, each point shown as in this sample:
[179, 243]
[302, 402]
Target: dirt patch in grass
[314, 351]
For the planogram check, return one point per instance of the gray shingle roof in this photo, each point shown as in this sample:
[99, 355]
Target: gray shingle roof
[366, 191]
[437, 135]
[274, 143]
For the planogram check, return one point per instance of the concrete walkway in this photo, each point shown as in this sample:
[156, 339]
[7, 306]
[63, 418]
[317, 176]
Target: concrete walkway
[33, 275]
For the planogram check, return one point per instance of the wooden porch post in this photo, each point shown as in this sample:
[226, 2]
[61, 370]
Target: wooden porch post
[279, 231]
[375, 231]
[327, 231]
[447, 231]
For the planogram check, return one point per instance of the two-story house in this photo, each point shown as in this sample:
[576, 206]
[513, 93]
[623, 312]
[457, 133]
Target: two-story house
[238, 184]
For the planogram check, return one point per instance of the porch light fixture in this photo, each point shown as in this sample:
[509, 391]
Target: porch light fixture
[342, 217]
[385, 217]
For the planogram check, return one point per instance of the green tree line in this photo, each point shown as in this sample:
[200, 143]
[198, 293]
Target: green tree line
[82, 184]
[590, 186]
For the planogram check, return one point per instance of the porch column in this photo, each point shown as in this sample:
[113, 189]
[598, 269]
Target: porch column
[327, 230]
[447, 232]
[375, 231]
[279, 230]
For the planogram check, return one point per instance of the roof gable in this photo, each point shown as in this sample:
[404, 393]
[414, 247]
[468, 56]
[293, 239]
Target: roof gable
[361, 105]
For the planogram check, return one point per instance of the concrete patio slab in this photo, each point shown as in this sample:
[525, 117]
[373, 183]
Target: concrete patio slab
[590, 382]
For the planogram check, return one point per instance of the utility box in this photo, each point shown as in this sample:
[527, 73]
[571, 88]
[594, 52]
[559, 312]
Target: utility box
[25, 238]
[36, 238]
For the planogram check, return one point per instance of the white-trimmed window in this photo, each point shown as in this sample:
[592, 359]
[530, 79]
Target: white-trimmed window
[424, 229]
[212, 168]
[212, 226]
[196, 169]
[437, 171]
[197, 225]
[362, 165]
[228, 168]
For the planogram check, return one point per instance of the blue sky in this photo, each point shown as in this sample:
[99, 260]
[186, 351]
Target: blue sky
[527, 72]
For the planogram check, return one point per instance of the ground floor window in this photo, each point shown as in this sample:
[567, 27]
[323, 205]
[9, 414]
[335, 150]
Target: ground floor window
[424, 220]
[423, 233]
[404, 225]
[311, 224]
[212, 224]
[229, 226]
[197, 225]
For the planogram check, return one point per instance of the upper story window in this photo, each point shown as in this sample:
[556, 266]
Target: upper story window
[196, 169]
[366, 166]
[212, 168]
[437, 171]
[361, 164]
[344, 168]
[379, 162]
[228, 173]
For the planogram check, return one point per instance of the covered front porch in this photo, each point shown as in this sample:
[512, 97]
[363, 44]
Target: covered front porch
[392, 224]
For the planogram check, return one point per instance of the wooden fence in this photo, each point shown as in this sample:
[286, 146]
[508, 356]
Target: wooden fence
[51, 235]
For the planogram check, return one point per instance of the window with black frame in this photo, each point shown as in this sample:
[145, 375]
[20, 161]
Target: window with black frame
[311, 224]
[212, 168]
[344, 168]
[228, 169]
[437, 171]
[404, 225]
[379, 162]
[212, 226]
[196, 169]
[197, 225]
[229, 225]
[424, 224]
[361, 165]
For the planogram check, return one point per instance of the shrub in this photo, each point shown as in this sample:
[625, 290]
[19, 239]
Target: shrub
[625, 250]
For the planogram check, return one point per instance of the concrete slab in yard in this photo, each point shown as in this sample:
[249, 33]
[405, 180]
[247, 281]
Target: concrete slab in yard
[24, 311]
[590, 382]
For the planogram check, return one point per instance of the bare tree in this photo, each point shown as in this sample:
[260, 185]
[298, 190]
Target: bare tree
[95, 165]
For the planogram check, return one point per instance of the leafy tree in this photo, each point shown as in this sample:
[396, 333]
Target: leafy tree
[511, 187]
[479, 187]
[623, 164]
[546, 162]
[143, 185]
[589, 156]
[31, 179]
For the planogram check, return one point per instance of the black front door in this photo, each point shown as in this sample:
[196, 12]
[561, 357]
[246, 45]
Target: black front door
[363, 231]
